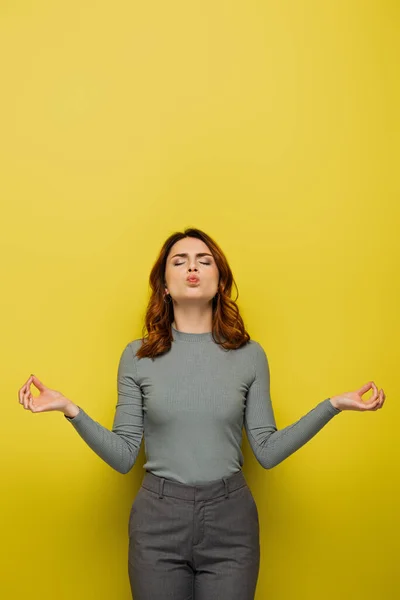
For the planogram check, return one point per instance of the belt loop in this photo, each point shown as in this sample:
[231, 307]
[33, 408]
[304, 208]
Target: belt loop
[226, 487]
[161, 488]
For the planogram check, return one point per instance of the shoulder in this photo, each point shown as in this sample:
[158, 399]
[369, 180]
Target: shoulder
[258, 356]
[128, 352]
[133, 346]
[254, 348]
[254, 353]
[128, 361]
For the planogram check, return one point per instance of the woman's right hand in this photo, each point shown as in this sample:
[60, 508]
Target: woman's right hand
[47, 400]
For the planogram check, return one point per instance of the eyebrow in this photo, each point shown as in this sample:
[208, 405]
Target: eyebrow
[183, 254]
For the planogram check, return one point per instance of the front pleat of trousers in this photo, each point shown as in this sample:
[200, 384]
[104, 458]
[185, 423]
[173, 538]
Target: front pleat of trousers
[193, 542]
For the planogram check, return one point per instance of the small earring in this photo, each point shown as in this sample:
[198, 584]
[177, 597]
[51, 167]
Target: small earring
[167, 301]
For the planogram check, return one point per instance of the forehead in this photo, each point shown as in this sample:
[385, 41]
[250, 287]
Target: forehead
[189, 245]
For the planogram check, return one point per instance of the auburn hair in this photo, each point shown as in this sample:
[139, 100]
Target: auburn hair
[227, 325]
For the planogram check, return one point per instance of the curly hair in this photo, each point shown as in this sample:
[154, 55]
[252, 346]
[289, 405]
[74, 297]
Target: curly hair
[227, 325]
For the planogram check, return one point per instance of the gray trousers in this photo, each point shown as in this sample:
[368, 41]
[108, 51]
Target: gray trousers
[193, 542]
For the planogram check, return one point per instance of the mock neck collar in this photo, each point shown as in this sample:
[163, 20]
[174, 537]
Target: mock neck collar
[183, 336]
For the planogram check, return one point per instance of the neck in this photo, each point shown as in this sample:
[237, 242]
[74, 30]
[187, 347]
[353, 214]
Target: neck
[196, 324]
[185, 336]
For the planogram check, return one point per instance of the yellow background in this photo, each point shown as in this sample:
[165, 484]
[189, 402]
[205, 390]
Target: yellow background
[273, 126]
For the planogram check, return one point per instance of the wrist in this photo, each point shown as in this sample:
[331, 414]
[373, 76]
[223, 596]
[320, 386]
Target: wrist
[70, 409]
[334, 402]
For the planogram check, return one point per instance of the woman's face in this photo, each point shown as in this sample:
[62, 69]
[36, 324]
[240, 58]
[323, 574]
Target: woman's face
[196, 259]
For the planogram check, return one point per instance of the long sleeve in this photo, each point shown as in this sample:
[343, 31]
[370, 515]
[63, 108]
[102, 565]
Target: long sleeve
[270, 445]
[119, 447]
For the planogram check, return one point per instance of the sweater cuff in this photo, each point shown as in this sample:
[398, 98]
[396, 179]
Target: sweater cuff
[332, 408]
[76, 417]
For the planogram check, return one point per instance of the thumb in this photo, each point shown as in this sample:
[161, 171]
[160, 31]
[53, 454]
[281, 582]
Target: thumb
[36, 382]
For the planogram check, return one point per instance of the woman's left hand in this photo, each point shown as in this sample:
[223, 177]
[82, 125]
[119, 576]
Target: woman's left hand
[354, 401]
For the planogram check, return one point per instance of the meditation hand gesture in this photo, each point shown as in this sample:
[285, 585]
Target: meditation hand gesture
[354, 401]
[47, 400]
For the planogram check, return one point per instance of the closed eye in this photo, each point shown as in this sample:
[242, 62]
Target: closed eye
[202, 263]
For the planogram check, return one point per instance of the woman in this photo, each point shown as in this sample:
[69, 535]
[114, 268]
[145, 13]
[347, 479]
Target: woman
[190, 386]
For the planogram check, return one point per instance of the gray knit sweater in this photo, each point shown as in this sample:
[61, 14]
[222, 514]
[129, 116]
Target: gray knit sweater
[191, 405]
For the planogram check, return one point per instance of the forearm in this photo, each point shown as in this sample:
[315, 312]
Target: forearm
[272, 446]
[119, 448]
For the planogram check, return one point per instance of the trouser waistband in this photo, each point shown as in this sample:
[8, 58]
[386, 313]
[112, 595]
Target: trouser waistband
[203, 491]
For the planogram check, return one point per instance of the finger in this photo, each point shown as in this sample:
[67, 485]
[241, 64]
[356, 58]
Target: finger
[374, 396]
[26, 397]
[377, 405]
[371, 401]
[25, 400]
[380, 398]
[23, 389]
[368, 404]
[28, 382]
[365, 388]
[373, 405]
[376, 393]
[31, 403]
[21, 392]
